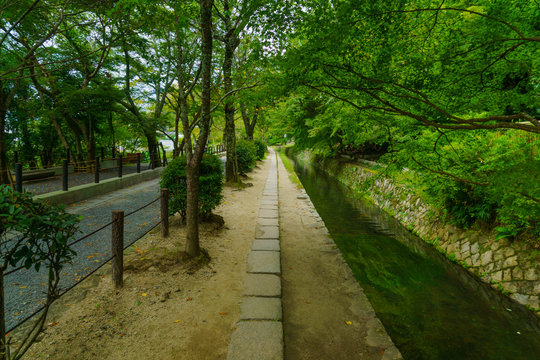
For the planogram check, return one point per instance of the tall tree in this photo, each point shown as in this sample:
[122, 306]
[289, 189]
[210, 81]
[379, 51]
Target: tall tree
[194, 152]
[235, 16]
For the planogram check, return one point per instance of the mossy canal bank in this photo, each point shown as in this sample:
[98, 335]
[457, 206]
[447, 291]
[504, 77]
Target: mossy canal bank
[431, 307]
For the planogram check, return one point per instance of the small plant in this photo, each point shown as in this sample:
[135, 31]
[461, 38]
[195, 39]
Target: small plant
[34, 235]
[246, 155]
[210, 184]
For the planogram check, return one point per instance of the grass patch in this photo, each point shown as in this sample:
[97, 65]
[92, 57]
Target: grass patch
[292, 175]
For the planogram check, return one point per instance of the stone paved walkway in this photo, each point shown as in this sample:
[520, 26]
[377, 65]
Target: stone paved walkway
[259, 333]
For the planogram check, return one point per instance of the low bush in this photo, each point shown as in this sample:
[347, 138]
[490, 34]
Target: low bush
[210, 182]
[246, 155]
[261, 149]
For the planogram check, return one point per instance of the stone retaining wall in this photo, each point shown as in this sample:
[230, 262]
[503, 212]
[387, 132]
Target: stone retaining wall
[511, 267]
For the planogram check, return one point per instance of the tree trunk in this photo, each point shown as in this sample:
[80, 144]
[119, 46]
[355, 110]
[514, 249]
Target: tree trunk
[4, 166]
[249, 125]
[91, 145]
[231, 165]
[194, 158]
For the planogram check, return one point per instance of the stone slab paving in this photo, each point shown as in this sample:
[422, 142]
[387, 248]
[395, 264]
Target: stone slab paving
[267, 232]
[261, 308]
[264, 222]
[265, 245]
[259, 333]
[264, 262]
[256, 340]
[268, 214]
[263, 285]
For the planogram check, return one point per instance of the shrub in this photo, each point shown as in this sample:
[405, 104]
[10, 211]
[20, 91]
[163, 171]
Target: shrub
[261, 149]
[210, 184]
[246, 154]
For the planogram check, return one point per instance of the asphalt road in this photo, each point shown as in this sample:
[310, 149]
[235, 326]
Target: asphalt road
[42, 186]
[25, 289]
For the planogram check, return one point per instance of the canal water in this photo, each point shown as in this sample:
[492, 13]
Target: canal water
[431, 307]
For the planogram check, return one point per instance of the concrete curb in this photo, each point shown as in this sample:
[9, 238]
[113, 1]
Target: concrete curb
[87, 191]
[259, 333]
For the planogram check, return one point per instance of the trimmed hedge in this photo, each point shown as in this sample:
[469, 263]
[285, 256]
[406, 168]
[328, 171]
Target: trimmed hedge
[210, 182]
[246, 155]
[261, 149]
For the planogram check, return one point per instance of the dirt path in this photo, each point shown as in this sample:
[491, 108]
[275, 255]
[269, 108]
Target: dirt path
[326, 314]
[166, 310]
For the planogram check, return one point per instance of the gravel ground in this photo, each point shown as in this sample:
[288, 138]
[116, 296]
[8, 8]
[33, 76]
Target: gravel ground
[37, 187]
[25, 289]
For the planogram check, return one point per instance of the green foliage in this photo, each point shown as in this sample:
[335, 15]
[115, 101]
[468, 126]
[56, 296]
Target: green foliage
[38, 233]
[261, 149]
[246, 153]
[210, 182]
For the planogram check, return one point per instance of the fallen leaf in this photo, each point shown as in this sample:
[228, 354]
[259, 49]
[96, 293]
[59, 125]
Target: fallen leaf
[189, 299]
[348, 322]
[308, 301]
[177, 321]
[23, 287]
[52, 323]
[16, 314]
[223, 313]
[144, 294]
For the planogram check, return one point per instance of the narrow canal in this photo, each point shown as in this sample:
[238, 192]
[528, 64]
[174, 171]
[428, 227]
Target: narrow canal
[431, 307]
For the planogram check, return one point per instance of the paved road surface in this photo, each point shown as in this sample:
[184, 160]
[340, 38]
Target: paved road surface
[25, 289]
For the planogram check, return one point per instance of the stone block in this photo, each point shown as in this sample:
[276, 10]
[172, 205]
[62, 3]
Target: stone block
[517, 274]
[267, 222]
[269, 202]
[267, 232]
[264, 262]
[269, 206]
[265, 285]
[497, 276]
[261, 308]
[474, 248]
[531, 274]
[486, 257]
[510, 262]
[261, 340]
[268, 214]
[265, 245]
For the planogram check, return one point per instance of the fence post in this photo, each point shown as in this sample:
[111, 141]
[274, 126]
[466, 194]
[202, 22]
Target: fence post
[18, 177]
[2, 317]
[102, 153]
[164, 212]
[119, 166]
[96, 170]
[138, 163]
[65, 175]
[118, 248]
[164, 158]
[113, 152]
[15, 157]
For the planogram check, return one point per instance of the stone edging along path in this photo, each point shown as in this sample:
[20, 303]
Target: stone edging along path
[259, 333]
